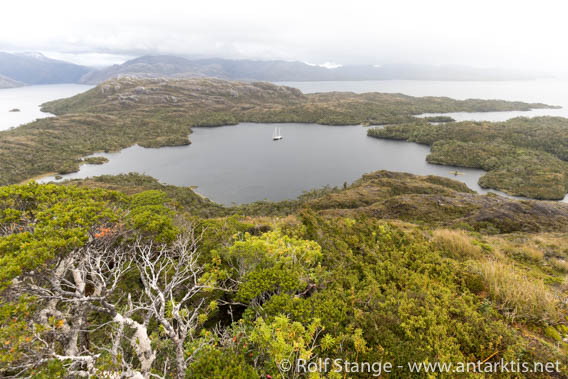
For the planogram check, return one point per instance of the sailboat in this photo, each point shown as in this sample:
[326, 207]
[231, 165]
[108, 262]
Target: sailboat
[276, 135]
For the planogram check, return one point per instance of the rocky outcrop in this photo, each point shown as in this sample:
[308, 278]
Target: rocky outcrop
[194, 95]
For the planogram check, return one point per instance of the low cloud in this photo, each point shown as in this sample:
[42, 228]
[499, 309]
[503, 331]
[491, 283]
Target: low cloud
[509, 34]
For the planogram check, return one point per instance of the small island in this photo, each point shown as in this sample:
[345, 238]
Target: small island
[14, 110]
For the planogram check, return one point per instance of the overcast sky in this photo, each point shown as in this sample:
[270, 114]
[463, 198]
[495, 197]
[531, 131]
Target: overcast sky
[498, 33]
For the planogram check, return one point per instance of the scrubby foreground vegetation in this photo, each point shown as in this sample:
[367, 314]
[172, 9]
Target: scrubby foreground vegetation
[122, 276]
[161, 112]
[523, 156]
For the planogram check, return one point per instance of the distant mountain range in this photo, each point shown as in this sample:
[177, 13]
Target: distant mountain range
[280, 71]
[9, 83]
[35, 68]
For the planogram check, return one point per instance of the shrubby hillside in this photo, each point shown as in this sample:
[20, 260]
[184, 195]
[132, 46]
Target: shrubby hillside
[125, 276]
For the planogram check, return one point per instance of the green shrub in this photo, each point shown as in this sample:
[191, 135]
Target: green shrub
[221, 364]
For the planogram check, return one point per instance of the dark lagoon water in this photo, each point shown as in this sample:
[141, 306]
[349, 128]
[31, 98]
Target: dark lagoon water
[239, 164]
[28, 100]
[242, 164]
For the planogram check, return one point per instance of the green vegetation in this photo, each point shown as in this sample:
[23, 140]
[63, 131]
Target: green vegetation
[95, 160]
[41, 222]
[158, 112]
[523, 156]
[427, 200]
[182, 198]
[244, 293]
[518, 171]
[439, 119]
[122, 276]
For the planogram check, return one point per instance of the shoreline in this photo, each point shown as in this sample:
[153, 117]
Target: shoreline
[35, 178]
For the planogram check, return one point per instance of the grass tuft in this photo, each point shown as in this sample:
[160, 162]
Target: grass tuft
[518, 296]
[457, 243]
[560, 264]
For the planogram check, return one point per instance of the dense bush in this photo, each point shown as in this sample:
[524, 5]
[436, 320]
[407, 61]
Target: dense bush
[524, 156]
[262, 290]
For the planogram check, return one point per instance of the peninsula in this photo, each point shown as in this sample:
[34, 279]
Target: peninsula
[161, 112]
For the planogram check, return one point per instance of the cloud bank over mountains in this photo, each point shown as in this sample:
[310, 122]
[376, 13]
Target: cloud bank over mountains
[488, 34]
[35, 68]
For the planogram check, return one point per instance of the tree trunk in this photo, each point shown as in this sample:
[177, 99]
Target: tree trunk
[180, 360]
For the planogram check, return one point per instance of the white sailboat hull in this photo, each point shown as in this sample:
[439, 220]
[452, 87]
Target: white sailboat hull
[276, 136]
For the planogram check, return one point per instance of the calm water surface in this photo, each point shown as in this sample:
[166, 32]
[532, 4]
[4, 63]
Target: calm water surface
[242, 164]
[28, 100]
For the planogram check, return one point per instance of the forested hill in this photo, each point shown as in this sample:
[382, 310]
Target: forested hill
[160, 112]
[523, 156]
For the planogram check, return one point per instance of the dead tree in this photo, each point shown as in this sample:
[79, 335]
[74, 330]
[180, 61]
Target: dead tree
[172, 280]
[84, 284]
